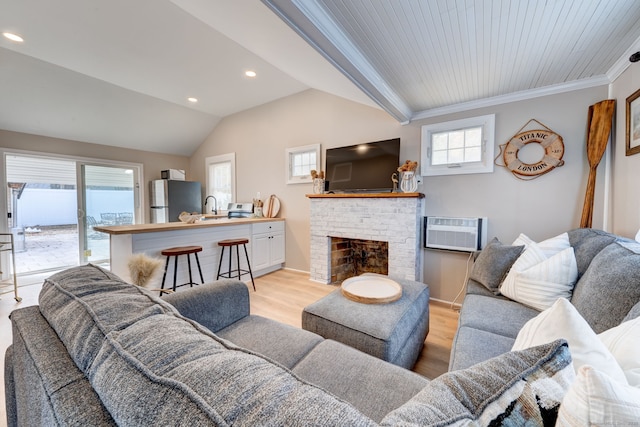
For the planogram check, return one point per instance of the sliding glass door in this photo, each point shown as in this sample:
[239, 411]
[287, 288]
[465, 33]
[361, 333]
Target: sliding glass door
[109, 197]
[52, 205]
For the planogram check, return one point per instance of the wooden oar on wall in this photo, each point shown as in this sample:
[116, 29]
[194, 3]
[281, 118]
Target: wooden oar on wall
[599, 128]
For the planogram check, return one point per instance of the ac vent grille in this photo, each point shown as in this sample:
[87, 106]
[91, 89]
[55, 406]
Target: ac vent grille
[455, 233]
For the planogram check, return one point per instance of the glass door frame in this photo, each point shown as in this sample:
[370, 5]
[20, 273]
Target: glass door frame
[138, 174]
[83, 226]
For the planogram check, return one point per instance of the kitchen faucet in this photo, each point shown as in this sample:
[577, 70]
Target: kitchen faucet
[215, 206]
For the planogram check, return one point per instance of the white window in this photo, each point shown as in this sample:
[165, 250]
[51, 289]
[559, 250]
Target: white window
[458, 147]
[301, 161]
[221, 181]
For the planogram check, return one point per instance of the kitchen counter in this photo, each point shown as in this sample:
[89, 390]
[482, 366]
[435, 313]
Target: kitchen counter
[266, 246]
[211, 221]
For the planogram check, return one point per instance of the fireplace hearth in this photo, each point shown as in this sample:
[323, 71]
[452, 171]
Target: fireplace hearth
[353, 257]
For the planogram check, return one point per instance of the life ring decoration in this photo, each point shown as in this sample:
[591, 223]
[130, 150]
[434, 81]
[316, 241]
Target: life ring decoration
[550, 141]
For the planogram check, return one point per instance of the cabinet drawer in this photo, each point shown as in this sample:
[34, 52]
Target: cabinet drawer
[268, 227]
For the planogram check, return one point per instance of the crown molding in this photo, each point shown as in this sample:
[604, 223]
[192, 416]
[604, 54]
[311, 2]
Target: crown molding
[513, 97]
[623, 63]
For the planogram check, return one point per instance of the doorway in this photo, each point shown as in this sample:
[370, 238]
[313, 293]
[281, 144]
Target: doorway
[54, 203]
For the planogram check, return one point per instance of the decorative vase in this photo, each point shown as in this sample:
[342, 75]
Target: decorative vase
[318, 186]
[408, 182]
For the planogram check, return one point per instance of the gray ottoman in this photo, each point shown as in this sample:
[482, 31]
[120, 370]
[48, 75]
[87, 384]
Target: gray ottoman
[394, 332]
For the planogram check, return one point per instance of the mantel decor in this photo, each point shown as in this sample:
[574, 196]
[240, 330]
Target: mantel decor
[633, 123]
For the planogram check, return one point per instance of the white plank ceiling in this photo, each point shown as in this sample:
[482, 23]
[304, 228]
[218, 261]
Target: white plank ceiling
[119, 72]
[418, 57]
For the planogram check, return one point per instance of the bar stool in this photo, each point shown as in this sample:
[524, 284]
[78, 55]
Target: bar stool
[231, 243]
[176, 252]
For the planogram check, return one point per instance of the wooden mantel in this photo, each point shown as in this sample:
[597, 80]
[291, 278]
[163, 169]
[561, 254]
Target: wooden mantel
[365, 195]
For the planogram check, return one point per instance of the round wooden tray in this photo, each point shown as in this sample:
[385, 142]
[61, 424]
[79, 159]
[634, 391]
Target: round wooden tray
[371, 289]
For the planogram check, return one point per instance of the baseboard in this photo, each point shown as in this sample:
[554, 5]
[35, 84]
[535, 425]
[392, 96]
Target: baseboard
[443, 303]
[296, 270]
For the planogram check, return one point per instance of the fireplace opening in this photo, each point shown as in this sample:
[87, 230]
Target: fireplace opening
[352, 257]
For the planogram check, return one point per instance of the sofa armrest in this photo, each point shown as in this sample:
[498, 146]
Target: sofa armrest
[9, 389]
[215, 306]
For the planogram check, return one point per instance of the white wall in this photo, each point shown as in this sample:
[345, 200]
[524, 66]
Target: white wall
[540, 208]
[260, 136]
[626, 170]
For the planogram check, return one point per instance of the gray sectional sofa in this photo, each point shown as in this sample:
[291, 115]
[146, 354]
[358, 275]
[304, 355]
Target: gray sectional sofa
[606, 293]
[98, 351]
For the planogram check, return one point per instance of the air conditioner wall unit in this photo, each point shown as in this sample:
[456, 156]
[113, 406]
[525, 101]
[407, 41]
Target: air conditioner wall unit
[455, 233]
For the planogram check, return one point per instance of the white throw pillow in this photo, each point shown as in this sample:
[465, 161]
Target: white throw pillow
[538, 281]
[522, 240]
[562, 320]
[623, 342]
[549, 247]
[596, 399]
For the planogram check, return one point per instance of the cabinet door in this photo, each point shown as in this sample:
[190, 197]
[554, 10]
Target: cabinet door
[277, 248]
[260, 251]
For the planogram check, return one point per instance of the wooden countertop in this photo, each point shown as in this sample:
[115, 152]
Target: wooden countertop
[364, 195]
[171, 226]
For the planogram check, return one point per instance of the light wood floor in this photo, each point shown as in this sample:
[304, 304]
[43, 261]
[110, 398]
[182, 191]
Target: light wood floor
[283, 294]
[280, 296]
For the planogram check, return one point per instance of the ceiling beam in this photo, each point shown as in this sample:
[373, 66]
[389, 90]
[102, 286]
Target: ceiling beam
[312, 23]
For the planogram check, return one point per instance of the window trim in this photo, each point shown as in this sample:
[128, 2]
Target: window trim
[222, 158]
[290, 152]
[487, 122]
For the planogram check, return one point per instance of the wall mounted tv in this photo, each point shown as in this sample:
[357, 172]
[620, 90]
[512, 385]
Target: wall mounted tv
[362, 167]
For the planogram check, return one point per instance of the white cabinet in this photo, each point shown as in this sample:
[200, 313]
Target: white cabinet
[267, 246]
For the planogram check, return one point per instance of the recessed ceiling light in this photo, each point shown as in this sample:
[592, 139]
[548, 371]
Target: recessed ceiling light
[192, 99]
[13, 37]
[250, 73]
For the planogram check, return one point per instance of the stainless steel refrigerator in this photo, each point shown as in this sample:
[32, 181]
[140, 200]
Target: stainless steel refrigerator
[169, 198]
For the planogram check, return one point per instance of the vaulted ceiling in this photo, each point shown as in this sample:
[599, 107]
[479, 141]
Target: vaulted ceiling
[119, 72]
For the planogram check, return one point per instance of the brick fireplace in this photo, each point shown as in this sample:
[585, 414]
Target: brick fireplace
[386, 223]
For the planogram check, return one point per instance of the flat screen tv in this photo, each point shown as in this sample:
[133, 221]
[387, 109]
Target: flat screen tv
[362, 167]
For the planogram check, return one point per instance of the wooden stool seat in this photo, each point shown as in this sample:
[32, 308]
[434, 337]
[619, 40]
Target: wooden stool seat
[181, 250]
[176, 252]
[233, 242]
[229, 274]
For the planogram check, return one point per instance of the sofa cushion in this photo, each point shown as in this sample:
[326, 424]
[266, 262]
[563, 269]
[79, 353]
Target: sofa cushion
[189, 378]
[633, 313]
[277, 341]
[230, 297]
[610, 287]
[495, 315]
[471, 346]
[516, 388]
[493, 264]
[594, 399]
[549, 246]
[74, 303]
[151, 366]
[562, 321]
[586, 243]
[476, 288]
[362, 378]
[49, 388]
[622, 341]
[537, 281]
